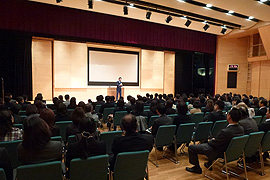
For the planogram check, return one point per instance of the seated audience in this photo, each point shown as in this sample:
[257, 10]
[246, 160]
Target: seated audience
[202, 101]
[109, 104]
[31, 111]
[40, 105]
[5, 163]
[255, 103]
[246, 122]
[131, 140]
[169, 109]
[7, 132]
[61, 99]
[209, 106]
[72, 103]
[182, 115]
[132, 106]
[67, 102]
[262, 111]
[77, 115]
[153, 109]
[120, 106]
[217, 114]
[196, 107]
[48, 116]
[15, 113]
[86, 144]
[61, 113]
[36, 146]
[162, 120]
[215, 147]
[139, 109]
[265, 126]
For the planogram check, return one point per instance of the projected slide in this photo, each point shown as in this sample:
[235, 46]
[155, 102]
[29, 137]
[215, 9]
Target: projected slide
[106, 65]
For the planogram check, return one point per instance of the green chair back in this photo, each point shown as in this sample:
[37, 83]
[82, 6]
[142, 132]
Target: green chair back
[235, 148]
[22, 113]
[257, 119]
[108, 138]
[253, 143]
[256, 110]
[263, 119]
[197, 118]
[146, 108]
[106, 113]
[173, 116]
[92, 168]
[165, 135]
[118, 116]
[130, 165]
[71, 139]
[42, 171]
[202, 131]
[97, 108]
[151, 120]
[11, 147]
[20, 126]
[56, 138]
[202, 109]
[206, 113]
[70, 111]
[219, 125]
[266, 142]
[63, 126]
[184, 133]
[2, 174]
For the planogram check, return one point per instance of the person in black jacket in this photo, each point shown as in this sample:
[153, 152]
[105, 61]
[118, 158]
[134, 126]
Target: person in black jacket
[182, 115]
[5, 163]
[217, 114]
[262, 111]
[215, 147]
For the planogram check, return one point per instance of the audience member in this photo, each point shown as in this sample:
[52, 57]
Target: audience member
[89, 113]
[196, 107]
[209, 106]
[31, 111]
[182, 115]
[61, 113]
[262, 111]
[36, 146]
[72, 103]
[217, 114]
[61, 99]
[5, 163]
[109, 104]
[215, 147]
[169, 109]
[67, 102]
[265, 126]
[132, 106]
[77, 115]
[48, 116]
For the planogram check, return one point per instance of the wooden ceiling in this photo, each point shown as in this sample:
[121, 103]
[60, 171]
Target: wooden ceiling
[216, 15]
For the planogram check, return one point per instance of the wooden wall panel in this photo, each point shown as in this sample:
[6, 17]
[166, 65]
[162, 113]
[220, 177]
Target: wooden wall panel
[255, 78]
[265, 36]
[169, 73]
[42, 68]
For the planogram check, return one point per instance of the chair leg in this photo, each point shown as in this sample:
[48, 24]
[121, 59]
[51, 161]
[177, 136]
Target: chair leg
[261, 160]
[245, 167]
[156, 155]
[175, 149]
[226, 166]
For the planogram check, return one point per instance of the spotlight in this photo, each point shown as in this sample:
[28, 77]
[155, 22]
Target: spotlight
[188, 23]
[148, 14]
[224, 29]
[58, 1]
[168, 19]
[90, 4]
[125, 9]
[230, 12]
[205, 27]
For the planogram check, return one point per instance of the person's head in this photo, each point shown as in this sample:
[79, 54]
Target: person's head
[246, 101]
[151, 96]
[219, 105]
[120, 103]
[132, 100]
[20, 99]
[156, 95]
[66, 97]
[120, 78]
[263, 103]
[39, 97]
[169, 104]
[244, 110]
[31, 109]
[56, 101]
[161, 109]
[36, 134]
[15, 108]
[61, 98]
[73, 103]
[7, 99]
[210, 104]
[77, 115]
[144, 99]
[267, 114]
[129, 123]
[87, 124]
[196, 104]
[61, 109]
[202, 99]
[48, 116]
[40, 106]
[139, 106]
[5, 122]
[88, 108]
[147, 95]
[82, 105]
[160, 96]
[182, 108]
[107, 99]
[234, 115]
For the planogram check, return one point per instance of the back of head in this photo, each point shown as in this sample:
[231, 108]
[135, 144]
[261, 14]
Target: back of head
[31, 109]
[88, 108]
[161, 108]
[66, 97]
[82, 105]
[196, 104]
[235, 114]
[39, 105]
[246, 101]
[60, 97]
[182, 108]
[139, 106]
[169, 104]
[87, 124]
[36, 134]
[77, 115]
[48, 116]
[202, 99]
[129, 123]
[220, 104]
[7, 99]
[108, 99]
[5, 123]
[120, 103]
[20, 99]
[263, 102]
[73, 102]
[132, 100]
[62, 109]
[160, 96]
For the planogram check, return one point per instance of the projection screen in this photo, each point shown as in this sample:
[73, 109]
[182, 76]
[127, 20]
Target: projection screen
[106, 65]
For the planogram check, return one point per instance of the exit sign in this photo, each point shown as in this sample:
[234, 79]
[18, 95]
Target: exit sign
[233, 67]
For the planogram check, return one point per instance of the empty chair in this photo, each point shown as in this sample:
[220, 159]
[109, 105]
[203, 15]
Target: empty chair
[131, 166]
[117, 117]
[42, 171]
[233, 152]
[2, 174]
[152, 119]
[108, 138]
[63, 126]
[165, 136]
[202, 131]
[11, 147]
[257, 119]
[92, 168]
[184, 134]
[106, 113]
[218, 126]
[197, 118]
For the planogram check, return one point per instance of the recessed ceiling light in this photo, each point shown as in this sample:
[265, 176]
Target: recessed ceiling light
[230, 12]
[204, 22]
[181, 1]
[209, 5]
[184, 17]
[262, 1]
[250, 18]
[131, 5]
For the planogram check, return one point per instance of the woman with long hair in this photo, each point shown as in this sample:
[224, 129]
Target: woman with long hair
[77, 115]
[48, 116]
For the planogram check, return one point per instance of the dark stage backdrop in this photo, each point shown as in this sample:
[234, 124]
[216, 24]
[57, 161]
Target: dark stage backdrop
[55, 21]
[16, 63]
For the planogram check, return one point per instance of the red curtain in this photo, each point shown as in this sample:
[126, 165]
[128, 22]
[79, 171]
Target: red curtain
[54, 21]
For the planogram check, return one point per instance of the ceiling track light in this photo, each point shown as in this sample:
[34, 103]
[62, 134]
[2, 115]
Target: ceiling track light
[58, 1]
[90, 4]
[148, 14]
[205, 27]
[188, 22]
[168, 19]
[224, 29]
[125, 10]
